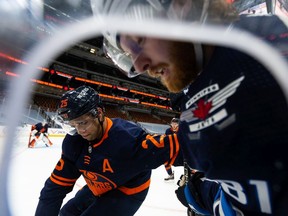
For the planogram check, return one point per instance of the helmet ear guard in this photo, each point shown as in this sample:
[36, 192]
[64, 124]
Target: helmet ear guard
[94, 113]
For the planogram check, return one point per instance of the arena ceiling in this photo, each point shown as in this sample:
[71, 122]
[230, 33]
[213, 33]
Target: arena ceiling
[86, 58]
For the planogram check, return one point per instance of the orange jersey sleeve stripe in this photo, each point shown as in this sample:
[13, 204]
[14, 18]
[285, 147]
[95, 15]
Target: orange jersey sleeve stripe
[130, 191]
[159, 144]
[176, 147]
[62, 181]
[171, 146]
[59, 182]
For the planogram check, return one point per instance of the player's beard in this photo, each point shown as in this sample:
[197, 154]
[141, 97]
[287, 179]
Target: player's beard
[184, 68]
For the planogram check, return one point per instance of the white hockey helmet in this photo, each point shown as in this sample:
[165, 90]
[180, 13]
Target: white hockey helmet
[147, 9]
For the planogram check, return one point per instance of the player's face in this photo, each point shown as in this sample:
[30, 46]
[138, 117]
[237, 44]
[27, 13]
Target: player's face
[87, 126]
[170, 61]
[174, 126]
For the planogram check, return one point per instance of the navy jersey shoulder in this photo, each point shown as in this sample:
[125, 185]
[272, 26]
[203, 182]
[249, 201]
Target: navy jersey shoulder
[38, 126]
[127, 135]
[169, 131]
[127, 127]
[72, 146]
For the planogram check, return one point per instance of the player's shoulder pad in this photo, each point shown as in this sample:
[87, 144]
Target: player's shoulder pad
[126, 126]
[127, 130]
[72, 146]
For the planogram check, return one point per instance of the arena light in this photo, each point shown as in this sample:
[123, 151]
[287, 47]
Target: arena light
[54, 72]
[11, 74]
[40, 82]
[65, 88]
[3, 55]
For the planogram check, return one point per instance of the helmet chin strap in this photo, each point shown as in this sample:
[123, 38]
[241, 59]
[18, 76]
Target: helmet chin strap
[101, 122]
[198, 46]
[198, 49]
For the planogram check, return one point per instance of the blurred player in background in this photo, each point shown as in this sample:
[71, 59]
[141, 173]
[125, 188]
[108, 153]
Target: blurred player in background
[114, 156]
[174, 126]
[39, 135]
[234, 115]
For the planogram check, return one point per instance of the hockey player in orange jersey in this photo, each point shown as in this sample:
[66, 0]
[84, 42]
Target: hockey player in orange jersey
[114, 156]
[38, 134]
[174, 126]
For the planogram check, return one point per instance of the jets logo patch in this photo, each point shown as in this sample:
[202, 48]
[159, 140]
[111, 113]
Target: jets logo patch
[202, 113]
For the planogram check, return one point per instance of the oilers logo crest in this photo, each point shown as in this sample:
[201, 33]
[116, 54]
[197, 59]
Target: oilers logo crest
[201, 113]
[97, 183]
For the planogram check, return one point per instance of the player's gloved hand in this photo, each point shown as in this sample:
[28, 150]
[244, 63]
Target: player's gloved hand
[204, 196]
[181, 195]
[189, 192]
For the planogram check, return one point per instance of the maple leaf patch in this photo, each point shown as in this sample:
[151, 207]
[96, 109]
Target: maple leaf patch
[203, 109]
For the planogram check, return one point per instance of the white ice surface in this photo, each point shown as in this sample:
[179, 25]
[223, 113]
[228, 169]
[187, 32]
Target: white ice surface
[29, 168]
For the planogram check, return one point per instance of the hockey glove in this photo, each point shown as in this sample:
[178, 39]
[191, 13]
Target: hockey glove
[215, 201]
[190, 193]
